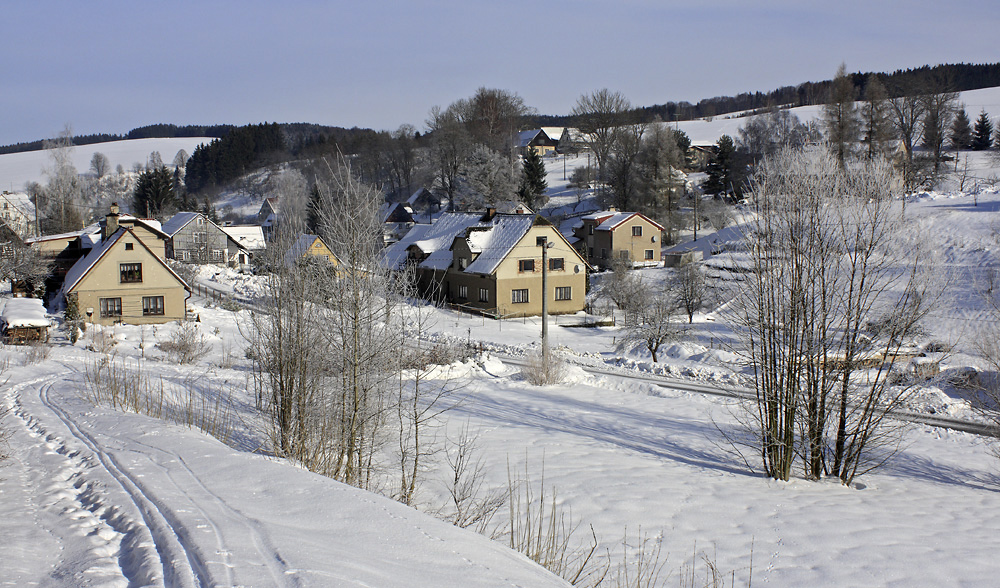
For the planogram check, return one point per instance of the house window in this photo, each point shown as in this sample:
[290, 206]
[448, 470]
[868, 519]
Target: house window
[152, 305]
[130, 273]
[590, 230]
[111, 307]
[484, 295]
[463, 292]
[649, 254]
[199, 237]
[201, 220]
[590, 252]
[556, 264]
[519, 296]
[604, 253]
[526, 265]
[129, 246]
[624, 254]
[564, 293]
[217, 255]
[637, 231]
[185, 255]
[463, 262]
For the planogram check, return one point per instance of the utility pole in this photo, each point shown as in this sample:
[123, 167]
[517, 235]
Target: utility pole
[543, 242]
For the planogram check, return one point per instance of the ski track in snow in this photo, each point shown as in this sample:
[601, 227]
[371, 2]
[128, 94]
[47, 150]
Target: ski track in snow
[142, 542]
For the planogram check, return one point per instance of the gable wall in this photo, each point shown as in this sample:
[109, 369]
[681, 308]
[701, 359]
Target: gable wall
[104, 281]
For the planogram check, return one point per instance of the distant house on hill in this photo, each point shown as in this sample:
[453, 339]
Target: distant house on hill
[397, 219]
[536, 140]
[194, 238]
[17, 211]
[424, 201]
[124, 278]
[492, 263]
[607, 235]
[267, 217]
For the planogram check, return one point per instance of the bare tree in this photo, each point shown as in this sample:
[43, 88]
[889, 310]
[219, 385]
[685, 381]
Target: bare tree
[598, 115]
[876, 119]
[939, 109]
[181, 158]
[689, 289]
[840, 116]
[908, 115]
[493, 118]
[62, 201]
[830, 299]
[99, 164]
[654, 322]
[450, 142]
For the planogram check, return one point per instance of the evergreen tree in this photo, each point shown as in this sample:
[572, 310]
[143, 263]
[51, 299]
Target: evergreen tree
[720, 169]
[983, 135]
[154, 193]
[961, 131]
[313, 213]
[533, 184]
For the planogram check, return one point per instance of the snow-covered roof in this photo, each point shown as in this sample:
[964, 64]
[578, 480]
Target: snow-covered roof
[495, 238]
[94, 228]
[178, 222]
[20, 201]
[24, 312]
[250, 237]
[553, 132]
[430, 239]
[85, 264]
[608, 220]
[300, 248]
[525, 137]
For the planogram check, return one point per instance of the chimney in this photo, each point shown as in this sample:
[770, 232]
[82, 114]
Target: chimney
[612, 209]
[110, 222]
[490, 213]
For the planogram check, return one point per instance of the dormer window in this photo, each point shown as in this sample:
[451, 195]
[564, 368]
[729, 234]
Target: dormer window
[463, 262]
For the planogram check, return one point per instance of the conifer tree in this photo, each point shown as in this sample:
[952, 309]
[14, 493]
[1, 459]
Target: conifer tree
[154, 192]
[840, 116]
[961, 131]
[982, 137]
[720, 169]
[533, 184]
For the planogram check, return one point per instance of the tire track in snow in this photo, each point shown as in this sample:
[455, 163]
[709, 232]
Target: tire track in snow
[113, 537]
[181, 564]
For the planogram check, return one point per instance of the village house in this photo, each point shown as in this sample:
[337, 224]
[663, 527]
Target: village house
[492, 263]
[267, 217]
[605, 236]
[397, 220]
[17, 211]
[536, 140]
[124, 278]
[309, 246]
[249, 237]
[194, 238]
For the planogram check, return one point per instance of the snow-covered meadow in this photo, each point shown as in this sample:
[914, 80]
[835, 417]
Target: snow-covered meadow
[94, 496]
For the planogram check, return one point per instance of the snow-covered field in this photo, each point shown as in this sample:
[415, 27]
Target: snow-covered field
[17, 169]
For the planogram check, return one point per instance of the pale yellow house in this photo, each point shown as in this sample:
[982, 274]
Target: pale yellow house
[493, 263]
[124, 278]
[605, 236]
[309, 246]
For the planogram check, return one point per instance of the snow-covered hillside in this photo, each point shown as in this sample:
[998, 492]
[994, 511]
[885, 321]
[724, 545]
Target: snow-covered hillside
[16, 169]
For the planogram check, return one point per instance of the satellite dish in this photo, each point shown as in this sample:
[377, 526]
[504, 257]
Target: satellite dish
[576, 268]
[654, 238]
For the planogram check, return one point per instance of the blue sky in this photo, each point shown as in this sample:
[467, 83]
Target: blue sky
[111, 66]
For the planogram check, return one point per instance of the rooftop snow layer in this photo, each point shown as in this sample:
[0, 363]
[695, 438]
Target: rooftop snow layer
[430, 238]
[501, 234]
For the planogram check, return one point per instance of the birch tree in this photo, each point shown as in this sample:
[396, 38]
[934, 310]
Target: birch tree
[830, 299]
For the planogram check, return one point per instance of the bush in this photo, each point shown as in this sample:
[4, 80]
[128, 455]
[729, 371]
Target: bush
[37, 352]
[102, 341]
[540, 372]
[186, 345]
